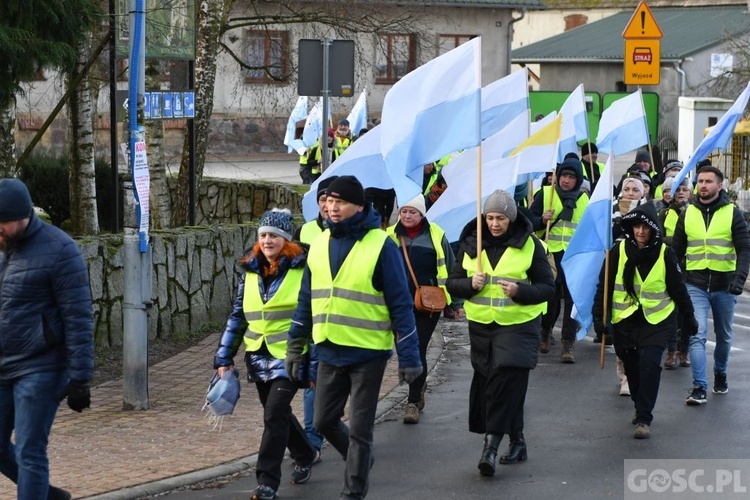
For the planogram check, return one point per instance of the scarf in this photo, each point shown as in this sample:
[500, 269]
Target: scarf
[568, 200]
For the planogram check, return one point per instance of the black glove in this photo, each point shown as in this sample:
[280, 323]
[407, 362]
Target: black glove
[79, 395]
[736, 287]
[294, 357]
[689, 327]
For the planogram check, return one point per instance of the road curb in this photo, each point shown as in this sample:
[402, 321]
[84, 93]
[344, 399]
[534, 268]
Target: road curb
[393, 398]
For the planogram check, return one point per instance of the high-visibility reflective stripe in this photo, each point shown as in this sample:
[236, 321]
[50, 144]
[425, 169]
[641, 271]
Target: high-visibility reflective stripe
[718, 242]
[269, 315]
[256, 335]
[441, 281]
[440, 262]
[710, 256]
[661, 305]
[621, 306]
[654, 295]
[320, 293]
[343, 293]
[338, 319]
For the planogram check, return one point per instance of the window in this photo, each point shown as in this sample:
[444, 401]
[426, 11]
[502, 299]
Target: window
[395, 58]
[266, 54]
[450, 42]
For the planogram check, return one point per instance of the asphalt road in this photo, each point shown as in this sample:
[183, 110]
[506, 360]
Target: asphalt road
[578, 432]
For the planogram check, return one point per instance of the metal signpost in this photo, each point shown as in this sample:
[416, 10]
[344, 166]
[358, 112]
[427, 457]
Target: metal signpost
[326, 68]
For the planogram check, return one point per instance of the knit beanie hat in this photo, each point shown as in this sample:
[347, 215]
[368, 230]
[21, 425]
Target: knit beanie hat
[15, 200]
[417, 203]
[323, 184]
[635, 181]
[278, 222]
[501, 202]
[347, 188]
[585, 149]
[643, 155]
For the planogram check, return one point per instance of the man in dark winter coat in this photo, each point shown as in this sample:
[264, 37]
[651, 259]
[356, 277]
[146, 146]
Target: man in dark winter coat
[712, 236]
[354, 293]
[46, 338]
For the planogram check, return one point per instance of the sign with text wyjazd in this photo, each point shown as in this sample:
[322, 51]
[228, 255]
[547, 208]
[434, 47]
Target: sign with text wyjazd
[642, 57]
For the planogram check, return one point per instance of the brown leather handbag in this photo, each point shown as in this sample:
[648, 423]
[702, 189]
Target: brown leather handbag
[427, 298]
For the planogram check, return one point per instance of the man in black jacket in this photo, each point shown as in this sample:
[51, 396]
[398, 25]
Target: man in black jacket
[46, 333]
[712, 236]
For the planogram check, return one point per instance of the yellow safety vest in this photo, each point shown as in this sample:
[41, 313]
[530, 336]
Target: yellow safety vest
[670, 222]
[436, 235]
[341, 144]
[561, 231]
[348, 310]
[310, 230]
[710, 247]
[490, 304]
[269, 323]
[652, 292]
[599, 167]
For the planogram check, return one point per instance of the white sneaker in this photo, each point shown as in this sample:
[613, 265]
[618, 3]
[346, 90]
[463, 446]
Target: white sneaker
[624, 388]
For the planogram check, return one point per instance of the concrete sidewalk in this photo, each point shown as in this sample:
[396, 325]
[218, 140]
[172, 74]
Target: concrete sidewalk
[108, 453]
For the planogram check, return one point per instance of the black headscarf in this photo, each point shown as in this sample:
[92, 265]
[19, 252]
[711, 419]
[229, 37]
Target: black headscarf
[569, 198]
[646, 256]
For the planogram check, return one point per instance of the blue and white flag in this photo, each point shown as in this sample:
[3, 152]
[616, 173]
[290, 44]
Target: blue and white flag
[299, 113]
[623, 127]
[358, 116]
[575, 126]
[717, 138]
[503, 100]
[458, 204]
[313, 125]
[585, 254]
[363, 160]
[429, 113]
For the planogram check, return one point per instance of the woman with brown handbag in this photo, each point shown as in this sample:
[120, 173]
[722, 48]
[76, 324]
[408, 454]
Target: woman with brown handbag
[427, 257]
[504, 304]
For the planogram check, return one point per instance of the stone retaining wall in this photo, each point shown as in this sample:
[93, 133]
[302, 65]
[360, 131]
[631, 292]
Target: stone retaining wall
[194, 268]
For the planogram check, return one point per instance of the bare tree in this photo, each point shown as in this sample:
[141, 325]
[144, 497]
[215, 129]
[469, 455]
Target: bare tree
[329, 18]
[81, 171]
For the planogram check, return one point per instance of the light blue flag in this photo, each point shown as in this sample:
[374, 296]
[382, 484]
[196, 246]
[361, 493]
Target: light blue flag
[575, 126]
[587, 248]
[429, 113]
[313, 125]
[717, 138]
[299, 113]
[458, 204]
[503, 100]
[358, 116]
[623, 126]
[363, 160]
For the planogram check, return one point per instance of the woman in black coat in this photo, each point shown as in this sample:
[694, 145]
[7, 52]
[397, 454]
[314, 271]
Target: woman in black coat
[645, 285]
[504, 303]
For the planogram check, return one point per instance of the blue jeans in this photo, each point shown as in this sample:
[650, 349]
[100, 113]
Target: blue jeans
[722, 309]
[28, 405]
[308, 407]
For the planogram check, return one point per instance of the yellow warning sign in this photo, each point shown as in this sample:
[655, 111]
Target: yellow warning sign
[642, 60]
[642, 24]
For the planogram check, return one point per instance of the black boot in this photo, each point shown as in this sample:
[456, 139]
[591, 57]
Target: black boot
[516, 451]
[489, 454]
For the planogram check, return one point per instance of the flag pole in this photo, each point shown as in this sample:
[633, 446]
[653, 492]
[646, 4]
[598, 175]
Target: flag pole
[605, 307]
[549, 207]
[479, 208]
[529, 192]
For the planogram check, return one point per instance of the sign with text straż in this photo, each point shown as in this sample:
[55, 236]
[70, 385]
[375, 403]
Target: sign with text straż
[642, 56]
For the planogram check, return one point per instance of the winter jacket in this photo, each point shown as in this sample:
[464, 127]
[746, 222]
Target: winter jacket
[635, 331]
[46, 316]
[706, 279]
[423, 257]
[261, 366]
[512, 345]
[389, 277]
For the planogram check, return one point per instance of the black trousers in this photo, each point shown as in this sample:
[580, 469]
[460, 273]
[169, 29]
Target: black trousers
[643, 369]
[426, 324]
[562, 294]
[496, 402]
[281, 430]
[360, 384]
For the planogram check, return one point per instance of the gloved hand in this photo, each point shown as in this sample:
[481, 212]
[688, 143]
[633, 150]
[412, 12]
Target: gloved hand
[690, 327]
[409, 375]
[736, 287]
[294, 357]
[79, 395]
